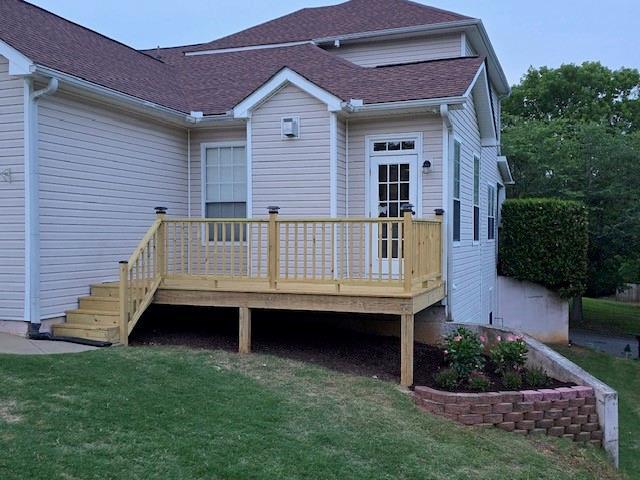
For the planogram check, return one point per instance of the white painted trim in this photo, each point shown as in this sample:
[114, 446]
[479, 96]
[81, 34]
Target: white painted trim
[203, 170]
[419, 151]
[333, 164]
[31, 256]
[282, 78]
[463, 44]
[18, 63]
[215, 51]
[249, 148]
[505, 171]
[446, 200]
[481, 69]
[433, 102]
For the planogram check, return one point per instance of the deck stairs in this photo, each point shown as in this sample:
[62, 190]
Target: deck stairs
[97, 316]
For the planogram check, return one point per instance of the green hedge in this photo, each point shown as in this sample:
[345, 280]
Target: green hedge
[545, 241]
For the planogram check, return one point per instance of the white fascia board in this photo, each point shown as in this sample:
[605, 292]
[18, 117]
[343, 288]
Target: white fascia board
[18, 63]
[282, 78]
[505, 171]
[215, 51]
[480, 88]
[406, 105]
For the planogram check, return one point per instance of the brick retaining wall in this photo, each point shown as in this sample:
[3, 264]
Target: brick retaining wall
[562, 412]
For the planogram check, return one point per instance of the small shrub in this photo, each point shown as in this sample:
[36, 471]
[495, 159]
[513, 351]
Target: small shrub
[509, 355]
[512, 380]
[447, 379]
[479, 382]
[545, 241]
[536, 377]
[464, 352]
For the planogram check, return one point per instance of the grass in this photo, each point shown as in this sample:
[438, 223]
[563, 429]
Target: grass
[608, 316]
[176, 413]
[624, 376]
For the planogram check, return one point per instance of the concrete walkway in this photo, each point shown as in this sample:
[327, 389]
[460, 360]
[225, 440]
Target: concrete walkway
[23, 346]
[611, 344]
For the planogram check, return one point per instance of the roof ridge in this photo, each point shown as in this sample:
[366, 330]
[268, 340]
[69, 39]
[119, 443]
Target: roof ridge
[117, 42]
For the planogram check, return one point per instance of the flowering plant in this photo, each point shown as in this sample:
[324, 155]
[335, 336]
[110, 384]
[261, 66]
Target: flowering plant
[509, 354]
[464, 352]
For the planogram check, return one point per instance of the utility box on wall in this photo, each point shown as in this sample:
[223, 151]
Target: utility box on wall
[291, 127]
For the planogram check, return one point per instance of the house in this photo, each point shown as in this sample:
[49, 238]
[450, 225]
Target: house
[347, 117]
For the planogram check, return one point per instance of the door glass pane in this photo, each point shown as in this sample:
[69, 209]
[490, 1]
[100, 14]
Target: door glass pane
[404, 192]
[382, 173]
[404, 172]
[393, 191]
[394, 146]
[382, 192]
[393, 173]
[380, 146]
[408, 145]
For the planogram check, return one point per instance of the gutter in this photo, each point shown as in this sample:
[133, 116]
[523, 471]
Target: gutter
[32, 202]
[356, 106]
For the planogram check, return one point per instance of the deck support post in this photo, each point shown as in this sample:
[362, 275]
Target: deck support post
[406, 349]
[244, 330]
[272, 248]
[161, 250]
[124, 303]
[407, 250]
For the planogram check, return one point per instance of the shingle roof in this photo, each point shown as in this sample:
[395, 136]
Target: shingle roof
[214, 84]
[219, 82]
[353, 16]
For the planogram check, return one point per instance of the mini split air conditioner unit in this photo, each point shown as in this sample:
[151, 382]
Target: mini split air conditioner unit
[291, 127]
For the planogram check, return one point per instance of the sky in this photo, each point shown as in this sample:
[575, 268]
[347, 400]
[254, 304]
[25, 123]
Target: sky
[523, 33]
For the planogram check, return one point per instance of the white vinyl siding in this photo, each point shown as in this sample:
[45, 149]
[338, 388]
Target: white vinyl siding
[473, 279]
[11, 195]
[227, 134]
[390, 52]
[291, 173]
[431, 128]
[102, 172]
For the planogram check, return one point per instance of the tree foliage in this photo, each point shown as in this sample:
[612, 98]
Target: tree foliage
[545, 241]
[574, 133]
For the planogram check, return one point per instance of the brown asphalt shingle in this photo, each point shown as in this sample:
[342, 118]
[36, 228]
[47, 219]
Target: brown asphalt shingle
[349, 17]
[214, 84]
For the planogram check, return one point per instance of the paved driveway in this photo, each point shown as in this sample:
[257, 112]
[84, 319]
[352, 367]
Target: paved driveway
[613, 345]
[24, 346]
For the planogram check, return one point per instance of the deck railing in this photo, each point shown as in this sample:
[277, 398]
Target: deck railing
[403, 253]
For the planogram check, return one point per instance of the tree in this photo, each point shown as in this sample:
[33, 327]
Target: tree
[574, 133]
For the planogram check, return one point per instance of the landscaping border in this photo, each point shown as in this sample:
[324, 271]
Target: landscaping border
[560, 368]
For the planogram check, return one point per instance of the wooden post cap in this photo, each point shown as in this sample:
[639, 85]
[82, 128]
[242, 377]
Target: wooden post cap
[407, 207]
[161, 210]
[273, 209]
[439, 212]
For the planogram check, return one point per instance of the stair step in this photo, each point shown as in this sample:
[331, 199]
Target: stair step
[105, 290]
[93, 317]
[90, 332]
[105, 304]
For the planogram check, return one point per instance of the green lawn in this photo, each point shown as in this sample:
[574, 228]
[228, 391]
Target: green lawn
[624, 376]
[170, 413]
[607, 316]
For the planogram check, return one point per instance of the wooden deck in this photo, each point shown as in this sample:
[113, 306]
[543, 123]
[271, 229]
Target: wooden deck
[375, 266]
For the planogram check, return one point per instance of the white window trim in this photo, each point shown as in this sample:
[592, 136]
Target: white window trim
[203, 171]
[419, 151]
[495, 210]
[475, 242]
[456, 138]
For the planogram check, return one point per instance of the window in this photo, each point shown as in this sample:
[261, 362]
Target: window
[394, 146]
[226, 184]
[491, 213]
[456, 191]
[476, 199]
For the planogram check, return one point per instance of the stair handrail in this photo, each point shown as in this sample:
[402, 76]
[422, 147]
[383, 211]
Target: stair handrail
[141, 275]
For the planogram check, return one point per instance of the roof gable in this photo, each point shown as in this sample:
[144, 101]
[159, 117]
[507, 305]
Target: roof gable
[354, 16]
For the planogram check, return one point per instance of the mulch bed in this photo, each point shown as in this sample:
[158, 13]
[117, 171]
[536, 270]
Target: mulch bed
[299, 336]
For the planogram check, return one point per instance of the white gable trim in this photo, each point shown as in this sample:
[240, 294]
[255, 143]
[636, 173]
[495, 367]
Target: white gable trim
[479, 87]
[284, 77]
[18, 63]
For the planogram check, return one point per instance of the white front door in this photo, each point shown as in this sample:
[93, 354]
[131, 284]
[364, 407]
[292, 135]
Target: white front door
[393, 183]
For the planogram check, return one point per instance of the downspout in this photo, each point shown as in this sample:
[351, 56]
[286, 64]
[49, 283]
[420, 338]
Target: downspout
[447, 264]
[32, 203]
[346, 173]
[189, 172]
